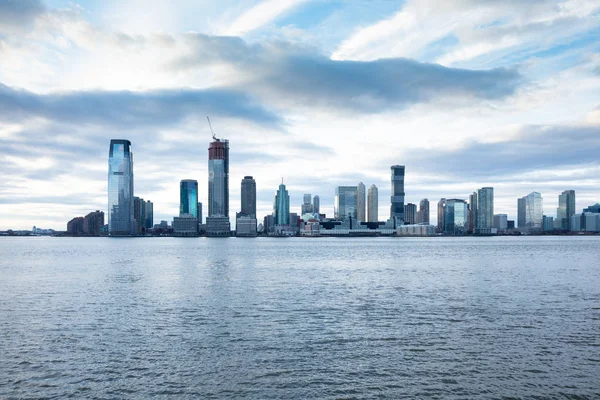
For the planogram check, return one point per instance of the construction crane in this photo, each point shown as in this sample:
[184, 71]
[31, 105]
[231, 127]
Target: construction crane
[211, 130]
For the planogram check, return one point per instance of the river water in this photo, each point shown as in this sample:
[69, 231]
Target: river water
[447, 318]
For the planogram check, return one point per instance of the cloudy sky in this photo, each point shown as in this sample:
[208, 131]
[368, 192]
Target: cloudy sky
[467, 93]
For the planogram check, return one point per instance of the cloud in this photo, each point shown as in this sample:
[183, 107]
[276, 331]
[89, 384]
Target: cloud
[19, 13]
[260, 15]
[132, 109]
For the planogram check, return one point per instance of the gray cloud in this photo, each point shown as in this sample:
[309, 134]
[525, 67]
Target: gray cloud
[18, 13]
[132, 109]
[301, 75]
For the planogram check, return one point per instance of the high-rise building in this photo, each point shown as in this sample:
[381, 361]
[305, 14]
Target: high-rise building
[531, 211]
[120, 188]
[360, 202]
[199, 208]
[373, 204]
[218, 178]
[423, 213]
[188, 197]
[248, 193]
[485, 208]
[346, 202]
[500, 222]
[397, 197]
[149, 215]
[139, 214]
[566, 209]
[440, 214]
[281, 206]
[316, 204]
[410, 213]
[473, 213]
[75, 226]
[307, 206]
[93, 223]
[455, 216]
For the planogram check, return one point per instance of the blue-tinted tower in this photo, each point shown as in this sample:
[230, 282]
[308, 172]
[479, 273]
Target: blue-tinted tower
[120, 189]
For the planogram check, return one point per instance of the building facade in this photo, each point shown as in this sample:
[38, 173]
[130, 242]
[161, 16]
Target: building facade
[531, 211]
[441, 205]
[566, 209]
[410, 214]
[485, 208]
[248, 193]
[120, 188]
[423, 213]
[346, 202]
[500, 222]
[307, 205]
[316, 204]
[373, 204]
[361, 214]
[149, 216]
[185, 225]
[188, 197]
[93, 223]
[218, 178]
[281, 206]
[397, 197]
[455, 217]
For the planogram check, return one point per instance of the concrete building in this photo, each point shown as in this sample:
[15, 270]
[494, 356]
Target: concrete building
[75, 226]
[373, 204]
[410, 214]
[245, 226]
[346, 203]
[218, 226]
[185, 225]
[397, 197]
[93, 223]
[416, 230]
[500, 222]
[360, 202]
[423, 213]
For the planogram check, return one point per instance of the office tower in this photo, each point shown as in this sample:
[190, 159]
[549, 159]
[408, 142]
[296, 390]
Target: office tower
[248, 193]
[566, 209]
[473, 213]
[139, 214]
[281, 206]
[373, 204]
[440, 214]
[149, 215]
[530, 211]
[500, 222]
[316, 204]
[455, 216]
[218, 178]
[397, 197]
[360, 202]
[547, 223]
[485, 208]
[120, 188]
[93, 223]
[307, 207]
[199, 212]
[345, 202]
[592, 209]
[423, 213]
[410, 213]
[188, 197]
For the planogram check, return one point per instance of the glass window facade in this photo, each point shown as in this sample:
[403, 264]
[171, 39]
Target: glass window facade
[120, 188]
[346, 202]
[218, 178]
[455, 216]
[281, 206]
[188, 197]
[397, 198]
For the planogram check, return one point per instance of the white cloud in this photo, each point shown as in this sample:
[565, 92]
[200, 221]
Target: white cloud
[258, 16]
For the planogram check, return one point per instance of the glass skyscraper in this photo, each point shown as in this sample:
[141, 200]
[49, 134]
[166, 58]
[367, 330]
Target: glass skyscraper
[188, 197]
[248, 191]
[218, 178]
[455, 216]
[372, 204]
[531, 211]
[397, 198]
[485, 208]
[281, 206]
[566, 209]
[120, 188]
[346, 202]
[360, 202]
[316, 204]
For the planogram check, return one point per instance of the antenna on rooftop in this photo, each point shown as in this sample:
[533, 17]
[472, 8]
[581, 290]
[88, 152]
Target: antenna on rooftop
[211, 130]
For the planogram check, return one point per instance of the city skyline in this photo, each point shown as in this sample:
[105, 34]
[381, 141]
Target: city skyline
[500, 96]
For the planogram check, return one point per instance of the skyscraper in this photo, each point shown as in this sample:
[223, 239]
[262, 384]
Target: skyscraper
[473, 213]
[423, 214]
[522, 212]
[218, 178]
[316, 204]
[188, 197]
[139, 214]
[566, 209]
[531, 208]
[410, 213]
[455, 216]
[485, 208]
[307, 207]
[372, 204]
[120, 188]
[248, 197]
[360, 202]
[397, 198]
[199, 212]
[345, 202]
[149, 215]
[281, 206]
[440, 214]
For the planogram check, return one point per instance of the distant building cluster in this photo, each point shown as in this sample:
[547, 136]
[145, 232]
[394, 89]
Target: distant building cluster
[90, 225]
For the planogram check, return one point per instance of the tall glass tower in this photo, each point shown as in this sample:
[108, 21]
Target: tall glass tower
[120, 188]
[281, 206]
[360, 202]
[346, 204]
[316, 204]
[566, 209]
[188, 197]
[485, 208]
[248, 196]
[218, 178]
[397, 198]
[372, 204]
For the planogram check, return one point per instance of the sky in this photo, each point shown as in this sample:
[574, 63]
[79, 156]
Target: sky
[465, 94]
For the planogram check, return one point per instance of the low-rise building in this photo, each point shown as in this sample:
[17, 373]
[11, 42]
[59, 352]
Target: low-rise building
[185, 225]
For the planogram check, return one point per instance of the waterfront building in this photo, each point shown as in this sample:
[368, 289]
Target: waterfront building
[307, 206]
[218, 226]
[93, 223]
[423, 213]
[245, 226]
[217, 222]
[416, 230]
[565, 210]
[455, 216]
[373, 204]
[397, 195]
[281, 206]
[139, 215]
[149, 215]
[360, 203]
[485, 208]
[120, 188]
[316, 204]
[500, 222]
[75, 226]
[199, 213]
[188, 197]
[585, 222]
[185, 225]
[531, 211]
[472, 210]
[346, 206]
[440, 214]
[269, 224]
[592, 209]
[410, 214]
[547, 223]
[248, 194]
